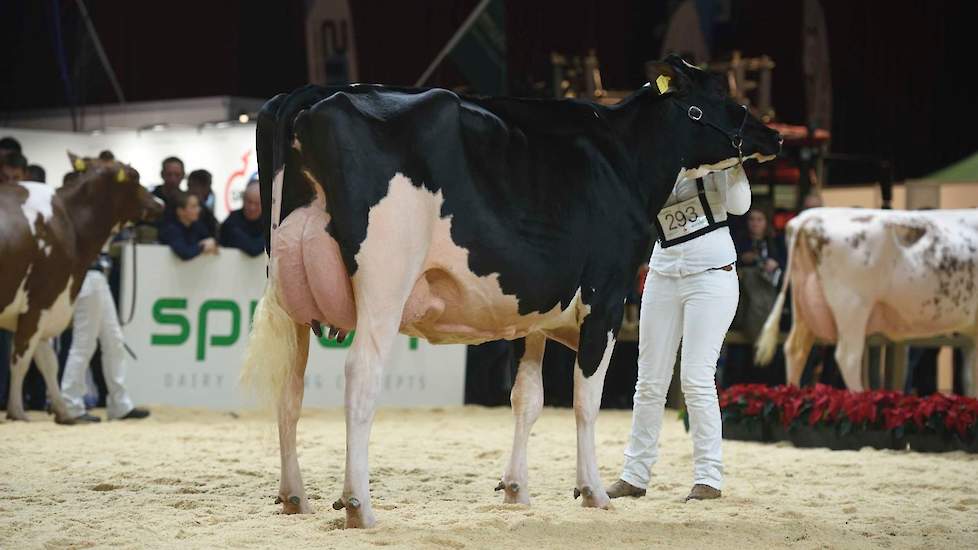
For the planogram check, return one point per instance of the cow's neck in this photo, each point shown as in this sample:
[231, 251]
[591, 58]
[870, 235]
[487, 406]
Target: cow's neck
[654, 144]
[92, 211]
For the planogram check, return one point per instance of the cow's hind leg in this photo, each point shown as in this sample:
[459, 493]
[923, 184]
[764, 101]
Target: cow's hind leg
[389, 264]
[587, 402]
[291, 492]
[796, 349]
[378, 320]
[273, 369]
[527, 401]
[20, 360]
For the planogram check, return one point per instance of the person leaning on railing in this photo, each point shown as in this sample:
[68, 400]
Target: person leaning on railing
[186, 235]
[242, 229]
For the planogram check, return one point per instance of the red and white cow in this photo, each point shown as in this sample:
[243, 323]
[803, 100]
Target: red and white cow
[48, 239]
[856, 272]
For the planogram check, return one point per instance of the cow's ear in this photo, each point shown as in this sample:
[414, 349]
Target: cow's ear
[121, 176]
[663, 77]
[77, 163]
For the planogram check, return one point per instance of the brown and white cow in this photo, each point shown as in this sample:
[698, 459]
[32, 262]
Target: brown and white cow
[855, 272]
[48, 239]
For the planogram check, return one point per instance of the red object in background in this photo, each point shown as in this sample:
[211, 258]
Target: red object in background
[781, 170]
[795, 135]
[781, 220]
[873, 409]
[640, 279]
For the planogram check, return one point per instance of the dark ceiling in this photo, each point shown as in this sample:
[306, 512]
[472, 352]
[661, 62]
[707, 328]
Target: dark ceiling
[900, 70]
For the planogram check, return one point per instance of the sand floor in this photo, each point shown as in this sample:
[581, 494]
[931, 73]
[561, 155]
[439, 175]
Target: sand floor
[200, 479]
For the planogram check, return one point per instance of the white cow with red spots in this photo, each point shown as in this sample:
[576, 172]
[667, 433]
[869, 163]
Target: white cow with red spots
[855, 272]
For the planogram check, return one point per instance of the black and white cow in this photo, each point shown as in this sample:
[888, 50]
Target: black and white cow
[461, 219]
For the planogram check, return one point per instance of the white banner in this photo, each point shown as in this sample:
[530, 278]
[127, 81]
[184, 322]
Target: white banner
[228, 153]
[190, 328]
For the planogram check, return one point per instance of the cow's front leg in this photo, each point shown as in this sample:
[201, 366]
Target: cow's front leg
[47, 362]
[291, 492]
[527, 401]
[587, 402]
[797, 347]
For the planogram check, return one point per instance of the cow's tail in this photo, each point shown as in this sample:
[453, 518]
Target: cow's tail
[272, 347]
[767, 342]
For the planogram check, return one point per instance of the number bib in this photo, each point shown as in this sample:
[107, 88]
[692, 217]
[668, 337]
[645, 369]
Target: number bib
[682, 218]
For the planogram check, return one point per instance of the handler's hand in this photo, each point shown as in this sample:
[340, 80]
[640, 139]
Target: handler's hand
[208, 246]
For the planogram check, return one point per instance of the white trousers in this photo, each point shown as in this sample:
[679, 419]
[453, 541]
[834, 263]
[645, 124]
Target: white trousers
[698, 310]
[95, 319]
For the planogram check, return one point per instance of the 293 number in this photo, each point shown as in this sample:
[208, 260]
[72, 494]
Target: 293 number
[680, 218]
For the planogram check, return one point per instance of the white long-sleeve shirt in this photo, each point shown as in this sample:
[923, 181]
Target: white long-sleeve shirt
[716, 248]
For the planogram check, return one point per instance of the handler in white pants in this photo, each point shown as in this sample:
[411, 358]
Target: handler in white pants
[95, 318]
[691, 294]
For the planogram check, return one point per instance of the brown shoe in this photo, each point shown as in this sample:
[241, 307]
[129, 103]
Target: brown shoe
[622, 488]
[702, 492]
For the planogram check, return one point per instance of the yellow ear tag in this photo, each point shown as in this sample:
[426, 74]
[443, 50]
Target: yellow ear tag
[662, 83]
[79, 165]
[121, 176]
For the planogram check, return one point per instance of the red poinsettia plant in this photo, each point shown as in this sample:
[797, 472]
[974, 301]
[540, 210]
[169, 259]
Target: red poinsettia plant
[825, 406]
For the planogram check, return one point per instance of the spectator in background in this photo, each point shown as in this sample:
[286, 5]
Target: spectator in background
[243, 229]
[36, 173]
[9, 145]
[184, 232]
[760, 257]
[106, 157]
[760, 248]
[199, 184]
[14, 168]
[172, 174]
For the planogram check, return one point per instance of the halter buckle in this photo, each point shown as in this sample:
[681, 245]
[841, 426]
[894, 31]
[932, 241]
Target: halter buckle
[695, 112]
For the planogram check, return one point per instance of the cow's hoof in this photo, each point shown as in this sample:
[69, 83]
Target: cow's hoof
[294, 504]
[591, 498]
[513, 493]
[359, 517]
[17, 416]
